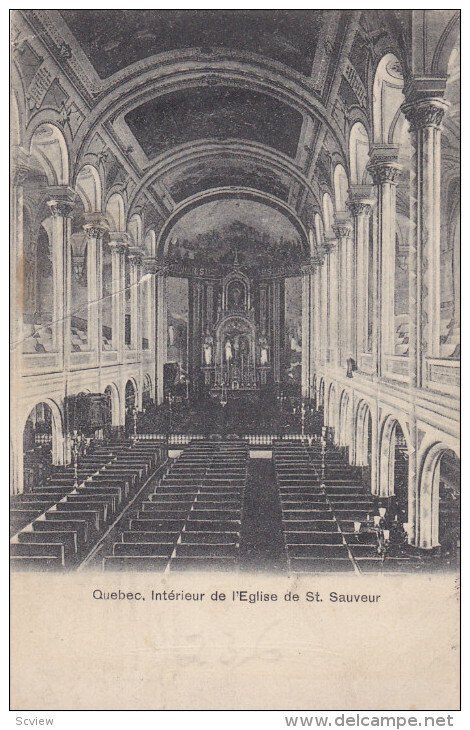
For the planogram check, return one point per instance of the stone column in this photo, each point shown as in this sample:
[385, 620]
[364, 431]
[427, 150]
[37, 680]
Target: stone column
[95, 228]
[343, 230]
[360, 204]
[306, 330]
[278, 303]
[424, 111]
[317, 322]
[20, 172]
[17, 275]
[150, 271]
[61, 205]
[263, 305]
[313, 329]
[209, 305]
[375, 451]
[135, 260]
[385, 170]
[161, 332]
[118, 242]
[331, 302]
[324, 313]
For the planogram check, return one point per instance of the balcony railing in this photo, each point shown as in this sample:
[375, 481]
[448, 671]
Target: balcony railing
[443, 375]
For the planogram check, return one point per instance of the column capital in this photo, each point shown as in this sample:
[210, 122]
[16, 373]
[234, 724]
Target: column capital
[361, 199]
[313, 264]
[329, 245]
[307, 269]
[342, 227]
[318, 257]
[136, 254]
[96, 226]
[118, 240]
[61, 201]
[383, 165]
[153, 267]
[359, 207]
[427, 112]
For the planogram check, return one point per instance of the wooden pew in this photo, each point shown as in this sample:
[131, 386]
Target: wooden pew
[133, 563]
[38, 550]
[94, 514]
[157, 549]
[68, 539]
[41, 564]
[62, 523]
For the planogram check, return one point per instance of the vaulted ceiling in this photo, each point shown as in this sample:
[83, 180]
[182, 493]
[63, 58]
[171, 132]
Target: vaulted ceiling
[114, 39]
[181, 103]
[219, 112]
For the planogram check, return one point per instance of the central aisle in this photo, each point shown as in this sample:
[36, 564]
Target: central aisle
[262, 546]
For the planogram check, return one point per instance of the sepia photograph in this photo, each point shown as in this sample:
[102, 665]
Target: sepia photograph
[235, 309]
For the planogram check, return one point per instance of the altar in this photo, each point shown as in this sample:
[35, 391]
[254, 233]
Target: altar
[237, 337]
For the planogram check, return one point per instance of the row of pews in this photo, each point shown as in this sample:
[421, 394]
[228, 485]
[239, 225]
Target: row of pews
[319, 509]
[192, 520]
[54, 526]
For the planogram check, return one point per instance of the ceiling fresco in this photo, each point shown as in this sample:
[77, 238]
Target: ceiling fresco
[114, 39]
[227, 231]
[222, 173]
[217, 112]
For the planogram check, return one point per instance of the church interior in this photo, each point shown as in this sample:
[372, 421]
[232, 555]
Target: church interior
[235, 282]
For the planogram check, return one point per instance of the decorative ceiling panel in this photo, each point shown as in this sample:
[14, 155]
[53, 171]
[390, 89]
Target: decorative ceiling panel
[216, 112]
[114, 39]
[224, 173]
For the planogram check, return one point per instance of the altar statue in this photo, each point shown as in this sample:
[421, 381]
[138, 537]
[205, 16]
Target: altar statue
[207, 349]
[263, 350]
[235, 296]
[228, 352]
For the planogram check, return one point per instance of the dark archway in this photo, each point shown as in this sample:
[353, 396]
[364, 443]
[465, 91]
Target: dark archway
[37, 446]
[400, 473]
